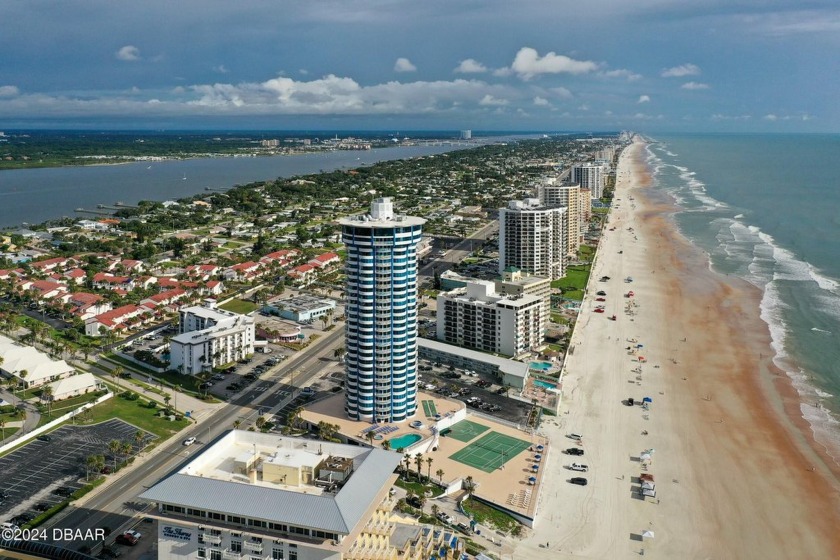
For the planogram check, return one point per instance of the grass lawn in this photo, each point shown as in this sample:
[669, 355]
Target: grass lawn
[9, 432]
[64, 406]
[239, 306]
[135, 413]
[419, 489]
[232, 245]
[486, 515]
[574, 282]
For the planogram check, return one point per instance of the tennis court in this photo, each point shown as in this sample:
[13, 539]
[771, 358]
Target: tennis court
[466, 430]
[491, 451]
[429, 409]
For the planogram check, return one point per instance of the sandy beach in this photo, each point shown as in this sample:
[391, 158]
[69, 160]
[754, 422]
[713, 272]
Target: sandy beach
[736, 471]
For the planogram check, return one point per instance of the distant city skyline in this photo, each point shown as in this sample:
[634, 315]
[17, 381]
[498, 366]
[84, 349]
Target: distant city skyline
[535, 65]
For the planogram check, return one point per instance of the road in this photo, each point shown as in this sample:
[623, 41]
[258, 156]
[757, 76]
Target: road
[115, 505]
[457, 253]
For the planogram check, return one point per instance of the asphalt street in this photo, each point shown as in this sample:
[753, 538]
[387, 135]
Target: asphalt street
[116, 506]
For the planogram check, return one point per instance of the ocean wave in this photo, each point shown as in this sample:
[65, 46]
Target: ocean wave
[738, 217]
[815, 329]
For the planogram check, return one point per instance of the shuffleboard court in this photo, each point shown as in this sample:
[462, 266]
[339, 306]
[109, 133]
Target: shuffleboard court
[466, 430]
[429, 409]
[491, 451]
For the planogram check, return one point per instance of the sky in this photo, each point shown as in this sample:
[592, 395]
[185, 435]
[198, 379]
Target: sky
[529, 65]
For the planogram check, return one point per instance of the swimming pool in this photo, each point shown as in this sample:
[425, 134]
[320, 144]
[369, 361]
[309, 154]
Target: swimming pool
[406, 440]
[544, 384]
[542, 366]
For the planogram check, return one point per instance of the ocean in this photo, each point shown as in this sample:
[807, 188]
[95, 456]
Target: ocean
[767, 209]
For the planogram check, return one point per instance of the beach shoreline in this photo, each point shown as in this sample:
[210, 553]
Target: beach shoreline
[736, 473]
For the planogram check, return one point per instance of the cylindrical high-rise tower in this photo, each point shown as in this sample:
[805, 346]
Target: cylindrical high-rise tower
[381, 329]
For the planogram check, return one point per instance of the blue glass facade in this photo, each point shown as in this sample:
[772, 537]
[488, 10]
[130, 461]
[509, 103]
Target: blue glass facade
[381, 327]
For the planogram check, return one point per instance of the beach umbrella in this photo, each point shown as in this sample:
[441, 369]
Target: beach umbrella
[538, 457]
[535, 468]
[640, 346]
[647, 399]
[540, 448]
[647, 534]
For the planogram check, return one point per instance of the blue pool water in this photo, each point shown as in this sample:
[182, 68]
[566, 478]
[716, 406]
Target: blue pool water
[544, 384]
[542, 366]
[404, 441]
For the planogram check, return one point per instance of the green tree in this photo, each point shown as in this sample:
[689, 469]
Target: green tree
[114, 447]
[440, 474]
[47, 396]
[418, 460]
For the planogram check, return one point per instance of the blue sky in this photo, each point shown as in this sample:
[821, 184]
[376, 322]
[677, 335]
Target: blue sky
[653, 65]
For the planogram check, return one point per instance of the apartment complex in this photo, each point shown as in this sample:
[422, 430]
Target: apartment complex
[477, 317]
[210, 337]
[532, 238]
[254, 496]
[589, 176]
[567, 196]
[381, 311]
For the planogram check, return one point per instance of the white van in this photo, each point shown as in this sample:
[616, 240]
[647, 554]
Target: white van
[576, 437]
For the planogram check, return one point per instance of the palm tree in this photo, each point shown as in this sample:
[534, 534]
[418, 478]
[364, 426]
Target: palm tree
[116, 373]
[22, 374]
[126, 448]
[435, 512]
[407, 461]
[139, 438]
[166, 400]
[418, 460]
[429, 471]
[386, 445]
[439, 474]
[47, 394]
[236, 424]
[91, 463]
[260, 422]
[114, 447]
[22, 413]
[468, 484]
[370, 435]
[339, 353]
[3, 428]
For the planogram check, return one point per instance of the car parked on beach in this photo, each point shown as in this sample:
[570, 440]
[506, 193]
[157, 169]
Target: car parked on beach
[579, 480]
[574, 451]
[579, 467]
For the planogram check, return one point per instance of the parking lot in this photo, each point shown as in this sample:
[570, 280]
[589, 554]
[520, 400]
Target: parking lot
[43, 473]
[490, 399]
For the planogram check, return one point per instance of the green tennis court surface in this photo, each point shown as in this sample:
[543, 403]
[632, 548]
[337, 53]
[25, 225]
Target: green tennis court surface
[429, 408]
[466, 430]
[491, 451]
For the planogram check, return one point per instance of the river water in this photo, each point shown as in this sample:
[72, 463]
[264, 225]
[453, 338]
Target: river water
[36, 195]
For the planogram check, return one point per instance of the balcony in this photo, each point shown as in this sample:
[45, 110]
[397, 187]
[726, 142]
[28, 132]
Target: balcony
[211, 539]
[231, 555]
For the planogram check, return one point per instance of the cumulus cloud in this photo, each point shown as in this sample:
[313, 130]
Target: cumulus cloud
[541, 101]
[561, 92]
[221, 69]
[628, 75]
[687, 69]
[128, 53]
[404, 65]
[694, 85]
[644, 99]
[528, 63]
[470, 66]
[490, 100]
[9, 91]
[502, 72]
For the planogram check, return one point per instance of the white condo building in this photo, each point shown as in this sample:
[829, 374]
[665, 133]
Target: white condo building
[567, 196]
[589, 176]
[210, 337]
[381, 310]
[254, 496]
[532, 238]
[477, 317]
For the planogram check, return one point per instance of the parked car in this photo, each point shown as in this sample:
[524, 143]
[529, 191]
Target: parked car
[42, 506]
[574, 451]
[126, 539]
[44, 437]
[189, 441]
[579, 480]
[600, 293]
[574, 436]
[133, 533]
[579, 467]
